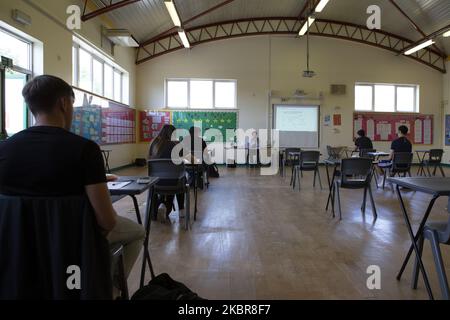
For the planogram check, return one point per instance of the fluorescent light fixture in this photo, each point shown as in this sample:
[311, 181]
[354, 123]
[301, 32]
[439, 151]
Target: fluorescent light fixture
[173, 12]
[305, 26]
[321, 5]
[420, 46]
[184, 39]
[447, 34]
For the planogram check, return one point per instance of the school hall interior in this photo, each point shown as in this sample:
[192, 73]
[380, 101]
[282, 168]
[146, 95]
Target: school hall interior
[339, 173]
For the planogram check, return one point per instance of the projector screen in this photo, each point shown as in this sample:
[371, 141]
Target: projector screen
[298, 125]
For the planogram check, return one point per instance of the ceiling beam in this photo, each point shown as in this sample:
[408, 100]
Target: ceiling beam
[289, 26]
[207, 11]
[430, 36]
[414, 25]
[105, 9]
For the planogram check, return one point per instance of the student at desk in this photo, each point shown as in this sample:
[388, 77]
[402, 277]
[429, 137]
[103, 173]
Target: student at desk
[363, 142]
[401, 144]
[47, 160]
[161, 148]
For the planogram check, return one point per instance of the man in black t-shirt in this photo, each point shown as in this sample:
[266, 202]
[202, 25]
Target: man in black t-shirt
[363, 142]
[401, 144]
[48, 160]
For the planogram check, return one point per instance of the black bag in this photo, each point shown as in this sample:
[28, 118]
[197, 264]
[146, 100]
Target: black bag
[213, 171]
[163, 287]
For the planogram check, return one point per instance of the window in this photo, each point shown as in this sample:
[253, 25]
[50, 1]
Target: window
[97, 76]
[15, 48]
[95, 72]
[201, 94]
[109, 82]
[13, 107]
[386, 97]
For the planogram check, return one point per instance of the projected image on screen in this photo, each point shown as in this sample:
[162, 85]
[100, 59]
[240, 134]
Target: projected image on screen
[298, 125]
[297, 119]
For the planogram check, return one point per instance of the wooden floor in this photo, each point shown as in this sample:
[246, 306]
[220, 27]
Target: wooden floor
[256, 238]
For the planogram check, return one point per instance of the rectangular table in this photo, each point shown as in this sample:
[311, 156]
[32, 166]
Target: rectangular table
[436, 187]
[132, 190]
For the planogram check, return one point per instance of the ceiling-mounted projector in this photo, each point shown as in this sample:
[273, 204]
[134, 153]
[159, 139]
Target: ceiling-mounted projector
[308, 74]
[121, 37]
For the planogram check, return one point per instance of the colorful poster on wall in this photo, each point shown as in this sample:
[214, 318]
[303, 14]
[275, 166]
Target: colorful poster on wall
[337, 120]
[102, 120]
[151, 124]
[209, 119]
[447, 130]
[384, 126]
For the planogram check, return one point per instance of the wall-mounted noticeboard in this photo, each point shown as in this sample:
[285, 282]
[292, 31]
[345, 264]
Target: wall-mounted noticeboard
[151, 123]
[384, 126]
[103, 121]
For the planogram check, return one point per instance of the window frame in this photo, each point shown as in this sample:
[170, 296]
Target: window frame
[415, 87]
[78, 45]
[189, 105]
[27, 72]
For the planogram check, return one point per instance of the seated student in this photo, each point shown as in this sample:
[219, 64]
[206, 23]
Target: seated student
[401, 144]
[47, 160]
[363, 142]
[161, 148]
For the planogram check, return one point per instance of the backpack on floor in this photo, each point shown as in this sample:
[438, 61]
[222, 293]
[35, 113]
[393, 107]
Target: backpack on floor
[213, 171]
[163, 287]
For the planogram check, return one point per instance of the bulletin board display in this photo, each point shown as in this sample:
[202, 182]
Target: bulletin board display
[384, 126]
[151, 123]
[103, 121]
[447, 130]
[210, 120]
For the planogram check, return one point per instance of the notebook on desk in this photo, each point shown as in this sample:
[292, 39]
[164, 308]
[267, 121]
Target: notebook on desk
[117, 185]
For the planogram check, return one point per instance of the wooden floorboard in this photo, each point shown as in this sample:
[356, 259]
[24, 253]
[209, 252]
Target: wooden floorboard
[256, 238]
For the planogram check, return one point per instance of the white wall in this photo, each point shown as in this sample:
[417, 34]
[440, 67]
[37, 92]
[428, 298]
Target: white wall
[48, 21]
[446, 107]
[264, 63]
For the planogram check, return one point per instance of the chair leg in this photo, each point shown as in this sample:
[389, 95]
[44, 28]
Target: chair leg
[439, 265]
[298, 177]
[363, 205]
[294, 177]
[384, 178]
[320, 179]
[372, 201]
[333, 199]
[187, 207]
[415, 277]
[123, 280]
[434, 171]
[339, 200]
[314, 181]
[428, 170]
[442, 170]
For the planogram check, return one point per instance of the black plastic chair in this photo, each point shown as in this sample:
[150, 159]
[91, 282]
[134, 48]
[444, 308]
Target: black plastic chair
[401, 164]
[364, 153]
[434, 160]
[334, 153]
[356, 173]
[173, 181]
[40, 238]
[437, 233]
[291, 160]
[309, 161]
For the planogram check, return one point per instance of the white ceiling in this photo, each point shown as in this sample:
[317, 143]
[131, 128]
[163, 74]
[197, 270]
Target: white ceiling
[148, 18]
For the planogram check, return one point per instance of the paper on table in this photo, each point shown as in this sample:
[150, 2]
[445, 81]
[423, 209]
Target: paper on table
[117, 185]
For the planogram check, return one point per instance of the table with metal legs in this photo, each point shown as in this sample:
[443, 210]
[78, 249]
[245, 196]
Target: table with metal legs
[436, 187]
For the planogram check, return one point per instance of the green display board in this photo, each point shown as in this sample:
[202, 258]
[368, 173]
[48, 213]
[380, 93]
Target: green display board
[209, 119]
